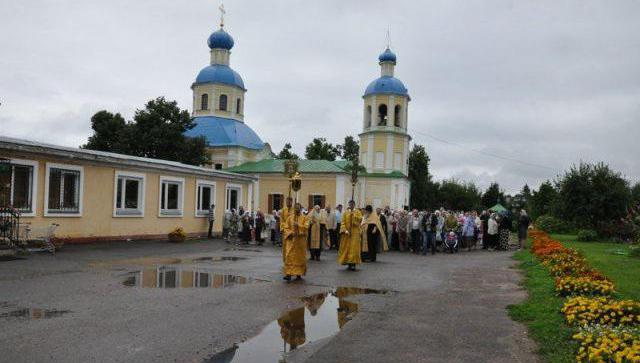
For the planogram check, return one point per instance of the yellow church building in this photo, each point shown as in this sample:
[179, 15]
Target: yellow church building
[218, 109]
[94, 195]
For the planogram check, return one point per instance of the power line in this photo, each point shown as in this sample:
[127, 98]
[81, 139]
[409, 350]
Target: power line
[506, 158]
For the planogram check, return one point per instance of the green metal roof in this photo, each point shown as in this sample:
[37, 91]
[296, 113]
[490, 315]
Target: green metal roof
[277, 166]
[393, 174]
[305, 166]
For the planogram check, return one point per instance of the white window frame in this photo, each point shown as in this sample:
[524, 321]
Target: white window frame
[208, 183]
[161, 277]
[228, 187]
[124, 212]
[171, 179]
[80, 189]
[34, 184]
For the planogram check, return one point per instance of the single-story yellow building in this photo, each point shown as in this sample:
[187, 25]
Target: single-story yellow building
[96, 195]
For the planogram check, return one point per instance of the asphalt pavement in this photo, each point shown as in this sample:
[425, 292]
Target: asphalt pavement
[93, 303]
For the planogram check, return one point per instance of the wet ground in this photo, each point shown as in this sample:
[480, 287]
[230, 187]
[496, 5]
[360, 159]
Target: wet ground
[208, 301]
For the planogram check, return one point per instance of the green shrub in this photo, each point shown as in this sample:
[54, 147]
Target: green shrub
[587, 235]
[551, 224]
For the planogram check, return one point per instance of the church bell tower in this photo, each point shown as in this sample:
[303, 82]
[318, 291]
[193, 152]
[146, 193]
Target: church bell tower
[384, 141]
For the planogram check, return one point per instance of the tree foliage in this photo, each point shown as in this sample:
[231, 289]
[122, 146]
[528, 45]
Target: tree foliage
[320, 149]
[419, 177]
[286, 153]
[492, 196]
[108, 132]
[592, 195]
[635, 194]
[157, 131]
[456, 195]
[542, 201]
[349, 150]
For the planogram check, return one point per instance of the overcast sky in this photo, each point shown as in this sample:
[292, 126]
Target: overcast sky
[546, 83]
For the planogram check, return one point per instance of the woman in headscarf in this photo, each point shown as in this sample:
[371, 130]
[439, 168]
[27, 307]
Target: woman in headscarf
[504, 228]
[373, 236]
[315, 233]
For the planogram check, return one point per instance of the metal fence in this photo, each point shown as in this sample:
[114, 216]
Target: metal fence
[9, 226]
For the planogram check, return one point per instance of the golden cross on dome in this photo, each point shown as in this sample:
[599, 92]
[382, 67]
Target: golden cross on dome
[388, 37]
[222, 12]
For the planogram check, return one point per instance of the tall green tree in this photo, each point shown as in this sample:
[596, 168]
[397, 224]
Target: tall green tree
[156, 131]
[492, 196]
[543, 200]
[592, 195]
[635, 193]
[349, 150]
[456, 195]
[286, 153]
[108, 130]
[320, 149]
[419, 177]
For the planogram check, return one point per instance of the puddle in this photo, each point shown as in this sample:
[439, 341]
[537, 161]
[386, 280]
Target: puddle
[167, 277]
[242, 249]
[10, 258]
[219, 258]
[322, 316]
[155, 261]
[27, 313]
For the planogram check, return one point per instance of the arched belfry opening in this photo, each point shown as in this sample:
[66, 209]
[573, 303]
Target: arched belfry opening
[382, 115]
[397, 122]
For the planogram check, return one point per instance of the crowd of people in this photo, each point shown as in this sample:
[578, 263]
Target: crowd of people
[359, 234]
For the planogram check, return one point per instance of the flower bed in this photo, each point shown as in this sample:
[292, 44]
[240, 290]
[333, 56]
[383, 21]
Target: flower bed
[583, 285]
[609, 328]
[605, 344]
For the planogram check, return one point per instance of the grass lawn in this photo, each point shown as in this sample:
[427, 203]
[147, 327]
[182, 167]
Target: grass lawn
[541, 311]
[622, 269]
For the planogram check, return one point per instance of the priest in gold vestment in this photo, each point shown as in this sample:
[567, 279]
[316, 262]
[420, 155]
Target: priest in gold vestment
[294, 246]
[284, 216]
[350, 238]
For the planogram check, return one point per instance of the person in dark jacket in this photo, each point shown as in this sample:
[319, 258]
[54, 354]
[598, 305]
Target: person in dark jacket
[523, 226]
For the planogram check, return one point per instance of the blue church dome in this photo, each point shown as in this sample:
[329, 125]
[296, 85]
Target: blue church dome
[219, 73]
[386, 85]
[221, 131]
[220, 39]
[387, 56]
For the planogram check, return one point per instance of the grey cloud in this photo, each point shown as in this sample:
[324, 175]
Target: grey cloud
[546, 82]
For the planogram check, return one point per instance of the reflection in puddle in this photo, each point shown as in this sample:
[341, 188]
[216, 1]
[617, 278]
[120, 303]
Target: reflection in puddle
[244, 249]
[154, 261]
[27, 313]
[322, 316]
[175, 276]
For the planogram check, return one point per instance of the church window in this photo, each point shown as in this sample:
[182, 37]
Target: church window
[396, 116]
[367, 117]
[379, 160]
[239, 106]
[382, 115]
[204, 101]
[223, 103]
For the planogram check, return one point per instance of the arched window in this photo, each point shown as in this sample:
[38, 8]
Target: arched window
[367, 117]
[238, 106]
[223, 103]
[204, 101]
[396, 116]
[382, 115]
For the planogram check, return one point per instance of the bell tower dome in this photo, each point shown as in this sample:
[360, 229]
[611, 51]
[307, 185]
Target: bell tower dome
[384, 141]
